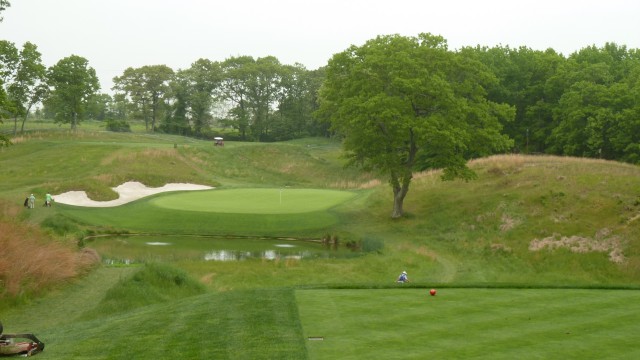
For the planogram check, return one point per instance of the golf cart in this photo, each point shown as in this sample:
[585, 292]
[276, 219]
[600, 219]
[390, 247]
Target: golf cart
[218, 141]
[19, 344]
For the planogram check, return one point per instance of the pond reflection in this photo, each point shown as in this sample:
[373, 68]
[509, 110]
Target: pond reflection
[134, 249]
[227, 255]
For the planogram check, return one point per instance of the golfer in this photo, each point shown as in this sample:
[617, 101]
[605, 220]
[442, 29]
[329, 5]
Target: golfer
[48, 199]
[32, 201]
[403, 278]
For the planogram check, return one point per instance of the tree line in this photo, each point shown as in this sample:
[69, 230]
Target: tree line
[404, 104]
[260, 99]
[585, 104]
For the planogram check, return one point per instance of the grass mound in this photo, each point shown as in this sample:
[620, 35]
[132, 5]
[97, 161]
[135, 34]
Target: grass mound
[153, 283]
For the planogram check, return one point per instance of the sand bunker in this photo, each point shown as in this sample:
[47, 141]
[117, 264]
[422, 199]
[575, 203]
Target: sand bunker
[128, 192]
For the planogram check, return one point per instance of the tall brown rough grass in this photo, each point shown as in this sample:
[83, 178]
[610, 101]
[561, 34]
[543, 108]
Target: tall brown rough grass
[31, 262]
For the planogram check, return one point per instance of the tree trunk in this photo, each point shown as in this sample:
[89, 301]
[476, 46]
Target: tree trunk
[24, 119]
[401, 179]
[399, 193]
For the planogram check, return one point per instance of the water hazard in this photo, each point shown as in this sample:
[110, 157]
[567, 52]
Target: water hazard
[136, 249]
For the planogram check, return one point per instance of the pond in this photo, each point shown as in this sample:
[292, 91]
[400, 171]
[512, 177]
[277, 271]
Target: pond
[144, 248]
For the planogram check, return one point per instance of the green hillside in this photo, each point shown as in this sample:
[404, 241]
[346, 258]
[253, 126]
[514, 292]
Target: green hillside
[561, 228]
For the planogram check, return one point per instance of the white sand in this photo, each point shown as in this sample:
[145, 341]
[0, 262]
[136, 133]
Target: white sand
[128, 192]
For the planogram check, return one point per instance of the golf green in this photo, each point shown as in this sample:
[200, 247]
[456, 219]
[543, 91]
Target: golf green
[254, 201]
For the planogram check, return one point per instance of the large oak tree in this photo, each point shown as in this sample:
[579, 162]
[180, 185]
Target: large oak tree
[403, 104]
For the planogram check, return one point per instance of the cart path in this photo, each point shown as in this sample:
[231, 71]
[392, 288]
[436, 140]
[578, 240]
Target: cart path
[64, 305]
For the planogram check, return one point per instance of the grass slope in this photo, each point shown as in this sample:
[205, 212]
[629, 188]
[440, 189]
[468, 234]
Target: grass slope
[151, 312]
[258, 324]
[65, 305]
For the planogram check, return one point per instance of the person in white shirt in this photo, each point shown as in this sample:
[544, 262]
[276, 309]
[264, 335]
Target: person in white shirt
[403, 278]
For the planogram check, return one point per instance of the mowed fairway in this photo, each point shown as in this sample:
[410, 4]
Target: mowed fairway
[254, 201]
[471, 323]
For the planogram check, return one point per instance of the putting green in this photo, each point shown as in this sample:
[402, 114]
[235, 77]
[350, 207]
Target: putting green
[254, 201]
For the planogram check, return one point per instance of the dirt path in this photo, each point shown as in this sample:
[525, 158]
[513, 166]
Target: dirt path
[448, 267]
[65, 305]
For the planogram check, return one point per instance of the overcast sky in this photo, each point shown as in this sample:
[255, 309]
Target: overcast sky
[116, 34]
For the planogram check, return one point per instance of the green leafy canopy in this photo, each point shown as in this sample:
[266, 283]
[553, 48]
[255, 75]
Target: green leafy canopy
[409, 103]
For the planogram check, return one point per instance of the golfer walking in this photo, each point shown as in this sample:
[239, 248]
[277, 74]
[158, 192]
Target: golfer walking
[32, 201]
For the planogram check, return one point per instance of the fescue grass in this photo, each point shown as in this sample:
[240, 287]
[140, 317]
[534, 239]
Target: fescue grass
[31, 262]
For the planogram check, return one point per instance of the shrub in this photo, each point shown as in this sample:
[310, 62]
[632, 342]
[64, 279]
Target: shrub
[59, 224]
[118, 126]
[370, 244]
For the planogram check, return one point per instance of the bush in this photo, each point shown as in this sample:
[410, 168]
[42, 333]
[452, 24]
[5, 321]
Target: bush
[370, 244]
[59, 224]
[118, 126]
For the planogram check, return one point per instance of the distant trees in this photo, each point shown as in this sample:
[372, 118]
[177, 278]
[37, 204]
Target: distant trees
[297, 104]
[234, 89]
[22, 81]
[25, 78]
[147, 88]
[523, 82]
[72, 84]
[597, 114]
[270, 101]
[265, 100]
[8, 61]
[192, 91]
[254, 87]
[583, 104]
[4, 4]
